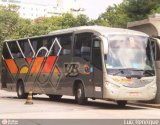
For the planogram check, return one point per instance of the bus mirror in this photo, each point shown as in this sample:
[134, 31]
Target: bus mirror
[156, 49]
[105, 44]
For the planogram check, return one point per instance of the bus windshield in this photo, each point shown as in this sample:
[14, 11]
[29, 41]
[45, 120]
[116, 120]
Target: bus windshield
[129, 52]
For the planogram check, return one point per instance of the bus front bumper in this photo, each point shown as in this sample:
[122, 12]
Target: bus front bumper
[115, 92]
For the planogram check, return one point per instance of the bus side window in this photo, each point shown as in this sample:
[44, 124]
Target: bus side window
[53, 49]
[15, 51]
[35, 46]
[66, 42]
[25, 48]
[82, 46]
[46, 43]
[6, 53]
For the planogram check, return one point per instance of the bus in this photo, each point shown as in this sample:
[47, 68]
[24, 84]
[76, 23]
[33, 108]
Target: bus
[86, 62]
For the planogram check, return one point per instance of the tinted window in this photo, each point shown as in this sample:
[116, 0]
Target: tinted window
[15, 51]
[65, 42]
[42, 45]
[34, 44]
[83, 45]
[26, 49]
[62, 45]
[6, 53]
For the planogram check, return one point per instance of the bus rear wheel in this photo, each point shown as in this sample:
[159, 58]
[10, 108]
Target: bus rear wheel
[20, 90]
[80, 95]
[55, 97]
[122, 103]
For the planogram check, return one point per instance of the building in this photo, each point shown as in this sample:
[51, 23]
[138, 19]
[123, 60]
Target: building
[151, 25]
[32, 11]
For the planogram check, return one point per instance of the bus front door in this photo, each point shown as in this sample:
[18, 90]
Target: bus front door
[97, 68]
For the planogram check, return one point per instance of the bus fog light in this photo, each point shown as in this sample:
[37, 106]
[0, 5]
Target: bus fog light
[111, 85]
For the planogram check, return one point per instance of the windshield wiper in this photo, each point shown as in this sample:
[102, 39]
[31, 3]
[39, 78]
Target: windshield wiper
[134, 76]
[119, 71]
[145, 71]
[149, 72]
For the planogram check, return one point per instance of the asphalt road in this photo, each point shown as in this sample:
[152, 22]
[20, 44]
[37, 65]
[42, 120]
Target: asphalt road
[44, 108]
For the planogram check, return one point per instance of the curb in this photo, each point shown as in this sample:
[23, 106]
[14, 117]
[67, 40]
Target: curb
[145, 104]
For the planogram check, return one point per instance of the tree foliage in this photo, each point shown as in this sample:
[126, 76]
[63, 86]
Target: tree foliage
[139, 9]
[9, 21]
[115, 16]
[13, 27]
[128, 10]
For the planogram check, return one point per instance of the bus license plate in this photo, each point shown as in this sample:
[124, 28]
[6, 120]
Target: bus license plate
[134, 93]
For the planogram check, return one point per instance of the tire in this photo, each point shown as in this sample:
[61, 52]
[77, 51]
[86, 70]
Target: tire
[20, 90]
[121, 103]
[80, 95]
[55, 97]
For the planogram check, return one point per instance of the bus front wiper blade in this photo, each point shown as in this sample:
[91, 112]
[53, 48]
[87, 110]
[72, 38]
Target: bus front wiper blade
[149, 72]
[145, 71]
[119, 71]
[134, 76]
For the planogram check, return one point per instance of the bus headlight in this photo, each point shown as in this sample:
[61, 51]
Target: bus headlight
[112, 85]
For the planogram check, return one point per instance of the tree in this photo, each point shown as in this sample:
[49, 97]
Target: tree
[82, 20]
[127, 11]
[115, 16]
[23, 28]
[156, 8]
[139, 9]
[68, 20]
[8, 18]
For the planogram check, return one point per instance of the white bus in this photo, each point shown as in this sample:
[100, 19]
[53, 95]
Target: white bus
[86, 62]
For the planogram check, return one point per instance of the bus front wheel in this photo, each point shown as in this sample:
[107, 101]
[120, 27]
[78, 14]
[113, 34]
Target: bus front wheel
[20, 90]
[122, 103]
[80, 95]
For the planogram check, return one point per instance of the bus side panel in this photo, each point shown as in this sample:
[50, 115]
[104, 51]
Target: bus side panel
[64, 85]
[85, 77]
[24, 67]
[43, 75]
[7, 78]
[31, 76]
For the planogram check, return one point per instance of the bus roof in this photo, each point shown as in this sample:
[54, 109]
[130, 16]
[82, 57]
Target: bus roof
[98, 29]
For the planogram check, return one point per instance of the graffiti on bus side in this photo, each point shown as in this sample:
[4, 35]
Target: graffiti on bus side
[71, 69]
[36, 64]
